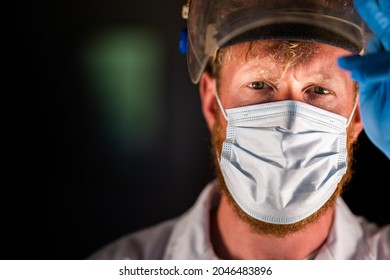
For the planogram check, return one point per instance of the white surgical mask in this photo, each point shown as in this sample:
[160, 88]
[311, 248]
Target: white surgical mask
[282, 161]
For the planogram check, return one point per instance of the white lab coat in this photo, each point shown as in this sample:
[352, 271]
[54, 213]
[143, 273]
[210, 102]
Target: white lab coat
[187, 237]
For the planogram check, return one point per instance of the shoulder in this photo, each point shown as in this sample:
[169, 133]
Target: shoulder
[377, 238]
[148, 243]
[172, 239]
[355, 237]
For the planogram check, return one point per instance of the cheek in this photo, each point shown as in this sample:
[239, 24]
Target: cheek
[344, 101]
[327, 102]
[347, 102]
[347, 96]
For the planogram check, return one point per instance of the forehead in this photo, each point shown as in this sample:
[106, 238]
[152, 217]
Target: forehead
[276, 55]
[279, 51]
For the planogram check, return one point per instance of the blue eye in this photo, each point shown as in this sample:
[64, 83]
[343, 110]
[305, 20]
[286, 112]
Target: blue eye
[258, 85]
[320, 90]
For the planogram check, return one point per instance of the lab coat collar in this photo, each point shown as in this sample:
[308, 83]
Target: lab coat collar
[190, 238]
[345, 236]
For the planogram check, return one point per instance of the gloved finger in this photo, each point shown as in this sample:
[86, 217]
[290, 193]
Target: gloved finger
[385, 5]
[373, 45]
[356, 61]
[376, 18]
[369, 68]
[376, 95]
[374, 102]
[371, 75]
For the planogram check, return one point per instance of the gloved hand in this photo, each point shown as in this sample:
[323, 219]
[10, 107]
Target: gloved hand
[372, 72]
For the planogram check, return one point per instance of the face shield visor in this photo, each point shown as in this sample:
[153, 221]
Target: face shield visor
[213, 24]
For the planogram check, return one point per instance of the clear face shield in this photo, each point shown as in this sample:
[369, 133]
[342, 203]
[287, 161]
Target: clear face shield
[213, 24]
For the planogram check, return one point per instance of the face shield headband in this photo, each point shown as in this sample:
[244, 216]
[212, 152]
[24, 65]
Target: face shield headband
[213, 24]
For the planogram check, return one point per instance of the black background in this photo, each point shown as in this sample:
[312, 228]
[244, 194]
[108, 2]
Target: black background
[67, 191]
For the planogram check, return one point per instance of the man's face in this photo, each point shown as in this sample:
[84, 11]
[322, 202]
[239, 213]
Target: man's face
[269, 71]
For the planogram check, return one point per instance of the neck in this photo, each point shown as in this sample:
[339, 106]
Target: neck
[234, 239]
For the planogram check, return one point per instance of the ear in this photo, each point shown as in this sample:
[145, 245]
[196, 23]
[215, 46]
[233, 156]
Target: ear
[358, 124]
[207, 95]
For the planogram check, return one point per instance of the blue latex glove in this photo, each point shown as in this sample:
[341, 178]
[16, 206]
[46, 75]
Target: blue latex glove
[372, 72]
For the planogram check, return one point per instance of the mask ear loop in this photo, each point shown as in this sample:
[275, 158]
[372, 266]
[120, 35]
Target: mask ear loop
[220, 103]
[356, 99]
[353, 111]
[223, 113]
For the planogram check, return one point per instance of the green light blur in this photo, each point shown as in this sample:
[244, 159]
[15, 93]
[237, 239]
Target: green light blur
[125, 73]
